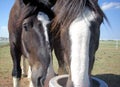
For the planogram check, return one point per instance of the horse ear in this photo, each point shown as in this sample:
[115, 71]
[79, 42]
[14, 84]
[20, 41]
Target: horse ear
[52, 2]
[27, 1]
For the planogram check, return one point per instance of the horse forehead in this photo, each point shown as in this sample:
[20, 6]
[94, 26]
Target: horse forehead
[43, 17]
[45, 20]
[88, 14]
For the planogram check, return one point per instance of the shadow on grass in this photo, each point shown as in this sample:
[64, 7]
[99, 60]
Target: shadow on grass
[111, 79]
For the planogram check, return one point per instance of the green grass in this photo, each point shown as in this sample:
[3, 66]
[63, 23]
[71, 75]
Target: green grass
[107, 63]
[5, 61]
[106, 67]
[107, 58]
[3, 43]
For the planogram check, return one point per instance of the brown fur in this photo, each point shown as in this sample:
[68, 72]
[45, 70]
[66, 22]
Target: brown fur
[22, 25]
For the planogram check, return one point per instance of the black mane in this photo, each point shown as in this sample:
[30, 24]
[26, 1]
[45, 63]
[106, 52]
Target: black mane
[67, 10]
[32, 9]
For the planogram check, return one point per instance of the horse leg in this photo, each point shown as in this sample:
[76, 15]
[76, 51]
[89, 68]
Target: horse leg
[24, 73]
[60, 57]
[29, 76]
[69, 81]
[56, 45]
[16, 57]
[29, 72]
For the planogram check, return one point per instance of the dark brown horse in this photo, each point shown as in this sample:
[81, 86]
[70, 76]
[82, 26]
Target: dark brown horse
[76, 30]
[28, 36]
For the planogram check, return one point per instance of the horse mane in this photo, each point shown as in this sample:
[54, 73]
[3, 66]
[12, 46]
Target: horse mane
[67, 10]
[33, 9]
[26, 12]
[35, 2]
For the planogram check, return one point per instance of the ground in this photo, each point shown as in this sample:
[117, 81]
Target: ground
[106, 67]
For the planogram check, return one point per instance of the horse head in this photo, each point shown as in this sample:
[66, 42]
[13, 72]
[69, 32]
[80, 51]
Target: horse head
[36, 46]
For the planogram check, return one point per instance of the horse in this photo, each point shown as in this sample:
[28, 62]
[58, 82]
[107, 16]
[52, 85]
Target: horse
[59, 57]
[28, 36]
[75, 34]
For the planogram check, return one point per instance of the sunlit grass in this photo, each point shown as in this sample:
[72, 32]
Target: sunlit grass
[107, 58]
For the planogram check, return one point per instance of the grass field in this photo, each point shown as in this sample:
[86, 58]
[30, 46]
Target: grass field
[106, 67]
[107, 63]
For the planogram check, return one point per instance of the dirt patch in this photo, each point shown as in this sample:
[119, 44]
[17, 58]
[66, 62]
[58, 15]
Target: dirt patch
[7, 82]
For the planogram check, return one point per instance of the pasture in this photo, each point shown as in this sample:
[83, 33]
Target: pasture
[106, 67]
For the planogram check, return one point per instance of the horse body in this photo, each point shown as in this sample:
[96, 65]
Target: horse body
[77, 24]
[28, 37]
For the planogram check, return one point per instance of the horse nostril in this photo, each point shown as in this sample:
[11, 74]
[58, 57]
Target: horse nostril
[41, 81]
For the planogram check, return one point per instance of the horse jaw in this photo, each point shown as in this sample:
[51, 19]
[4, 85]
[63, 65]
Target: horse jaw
[79, 32]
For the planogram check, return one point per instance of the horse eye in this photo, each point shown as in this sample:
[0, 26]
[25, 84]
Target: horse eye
[25, 26]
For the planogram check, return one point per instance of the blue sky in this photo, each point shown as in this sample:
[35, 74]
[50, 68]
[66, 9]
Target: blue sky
[110, 7]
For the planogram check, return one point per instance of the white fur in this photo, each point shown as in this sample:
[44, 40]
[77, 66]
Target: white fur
[31, 83]
[24, 66]
[45, 20]
[29, 72]
[80, 37]
[16, 82]
[29, 77]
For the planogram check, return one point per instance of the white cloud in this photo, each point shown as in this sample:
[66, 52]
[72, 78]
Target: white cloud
[4, 31]
[106, 5]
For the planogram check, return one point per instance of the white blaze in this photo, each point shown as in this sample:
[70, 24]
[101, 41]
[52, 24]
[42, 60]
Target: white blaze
[45, 20]
[80, 37]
